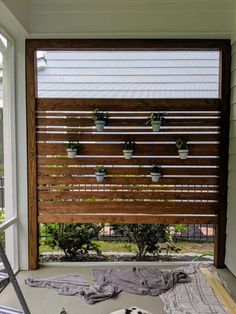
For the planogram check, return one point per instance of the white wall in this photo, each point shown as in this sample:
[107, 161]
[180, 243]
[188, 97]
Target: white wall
[230, 260]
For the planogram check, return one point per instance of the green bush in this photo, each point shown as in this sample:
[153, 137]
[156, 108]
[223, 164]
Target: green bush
[76, 240]
[146, 237]
[2, 234]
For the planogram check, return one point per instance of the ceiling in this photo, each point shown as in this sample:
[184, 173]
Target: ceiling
[158, 4]
[126, 18]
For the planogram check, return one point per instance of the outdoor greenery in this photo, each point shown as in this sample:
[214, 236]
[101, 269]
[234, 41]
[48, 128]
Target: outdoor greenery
[181, 144]
[127, 247]
[72, 144]
[83, 241]
[155, 116]
[100, 115]
[2, 234]
[129, 145]
[156, 169]
[146, 237]
[74, 240]
[78, 239]
[100, 169]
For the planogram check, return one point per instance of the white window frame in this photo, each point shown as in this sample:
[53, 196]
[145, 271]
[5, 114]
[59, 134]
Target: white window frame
[9, 139]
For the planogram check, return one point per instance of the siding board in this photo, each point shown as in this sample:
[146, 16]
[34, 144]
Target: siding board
[125, 74]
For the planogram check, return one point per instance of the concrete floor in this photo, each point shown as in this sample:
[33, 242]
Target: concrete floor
[45, 301]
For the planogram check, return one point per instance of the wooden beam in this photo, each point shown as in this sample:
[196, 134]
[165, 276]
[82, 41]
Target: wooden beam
[220, 237]
[32, 153]
[127, 219]
[58, 104]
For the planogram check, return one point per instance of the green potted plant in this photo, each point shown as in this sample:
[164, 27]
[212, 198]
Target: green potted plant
[72, 148]
[155, 120]
[155, 173]
[128, 148]
[182, 147]
[100, 118]
[100, 173]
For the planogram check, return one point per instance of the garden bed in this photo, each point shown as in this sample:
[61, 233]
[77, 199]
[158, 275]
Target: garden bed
[121, 257]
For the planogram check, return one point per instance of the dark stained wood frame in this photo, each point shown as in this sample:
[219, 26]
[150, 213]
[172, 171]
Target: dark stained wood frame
[32, 45]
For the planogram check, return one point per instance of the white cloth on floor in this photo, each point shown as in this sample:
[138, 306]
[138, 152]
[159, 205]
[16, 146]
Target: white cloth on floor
[195, 297]
[131, 310]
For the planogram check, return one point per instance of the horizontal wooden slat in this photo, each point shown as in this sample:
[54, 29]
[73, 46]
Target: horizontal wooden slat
[127, 104]
[140, 149]
[127, 207]
[121, 161]
[151, 136]
[125, 122]
[127, 219]
[128, 187]
[180, 130]
[66, 171]
[126, 195]
[125, 114]
[130, 180]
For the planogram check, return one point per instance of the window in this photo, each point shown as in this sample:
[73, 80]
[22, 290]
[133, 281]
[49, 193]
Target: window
[8, 209]
[128, 74]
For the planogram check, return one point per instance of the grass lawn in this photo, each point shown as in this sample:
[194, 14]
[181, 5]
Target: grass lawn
[199, 248]
[186, 247]
[105, 246]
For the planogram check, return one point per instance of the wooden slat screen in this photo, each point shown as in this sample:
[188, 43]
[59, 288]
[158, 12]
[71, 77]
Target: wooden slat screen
[67, 187]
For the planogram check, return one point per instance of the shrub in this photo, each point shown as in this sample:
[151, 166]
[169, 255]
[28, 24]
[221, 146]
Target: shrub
[2, 234]
[76, 240]
[146, 237]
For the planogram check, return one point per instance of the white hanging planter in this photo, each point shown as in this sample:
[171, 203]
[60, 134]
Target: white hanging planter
[183, 153]
[128, 153]
[100, 125]
[156, 125]
[100, 176]
[155, 176]
[71, 153]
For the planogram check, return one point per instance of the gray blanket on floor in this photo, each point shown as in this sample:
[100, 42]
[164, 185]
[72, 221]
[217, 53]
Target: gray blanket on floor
[144, 281]
[74, 284]
[108, 282]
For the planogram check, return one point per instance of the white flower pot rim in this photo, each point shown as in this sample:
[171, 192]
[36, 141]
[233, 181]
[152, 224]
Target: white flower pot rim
[183, 150]
[100, 173]
[155, 174]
